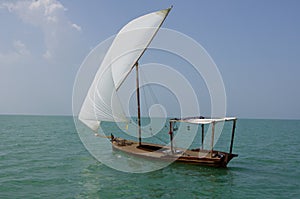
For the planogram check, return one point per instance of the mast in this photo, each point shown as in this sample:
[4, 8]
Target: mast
[202, 135]
[171, 137]
[138, 104]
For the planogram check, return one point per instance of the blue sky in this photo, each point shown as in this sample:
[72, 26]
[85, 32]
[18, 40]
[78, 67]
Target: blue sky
[255, 45]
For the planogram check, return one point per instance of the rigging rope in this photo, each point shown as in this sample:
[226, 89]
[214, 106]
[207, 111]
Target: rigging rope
[155, 100]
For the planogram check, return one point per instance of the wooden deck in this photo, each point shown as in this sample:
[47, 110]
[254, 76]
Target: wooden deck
[159, 152]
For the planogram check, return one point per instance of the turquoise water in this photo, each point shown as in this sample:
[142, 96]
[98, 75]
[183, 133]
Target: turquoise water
[43, 157]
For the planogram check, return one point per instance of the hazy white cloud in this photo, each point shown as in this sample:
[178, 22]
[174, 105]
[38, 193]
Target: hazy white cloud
[76, 27]
[20, 48]
[40, 12]
[47, 55]
[19, 53]
[49, 16]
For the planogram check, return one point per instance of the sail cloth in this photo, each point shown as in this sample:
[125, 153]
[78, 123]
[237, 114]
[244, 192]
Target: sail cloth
[102, 102]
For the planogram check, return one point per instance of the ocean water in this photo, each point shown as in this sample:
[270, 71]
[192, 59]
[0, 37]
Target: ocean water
[43, 157]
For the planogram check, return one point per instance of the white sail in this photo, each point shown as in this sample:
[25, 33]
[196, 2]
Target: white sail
[102, 102]
[131, 42]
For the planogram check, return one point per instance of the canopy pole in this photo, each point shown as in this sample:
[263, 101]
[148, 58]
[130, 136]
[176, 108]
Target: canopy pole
[171, 137]
[202, 135]
[212, 138]
[138, 104]
[232, 136]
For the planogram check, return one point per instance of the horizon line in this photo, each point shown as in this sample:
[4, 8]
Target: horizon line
[70, 115]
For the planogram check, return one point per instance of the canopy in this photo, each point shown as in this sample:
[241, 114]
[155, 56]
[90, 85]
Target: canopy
[203, 121]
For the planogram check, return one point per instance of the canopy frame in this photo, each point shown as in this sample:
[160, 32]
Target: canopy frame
[203, 121]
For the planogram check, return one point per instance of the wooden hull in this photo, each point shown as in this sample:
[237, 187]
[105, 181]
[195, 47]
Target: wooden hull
[163, 153]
